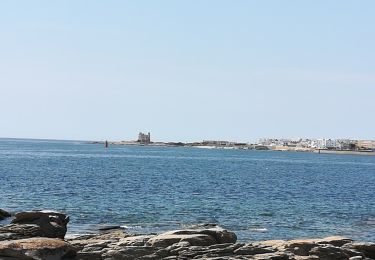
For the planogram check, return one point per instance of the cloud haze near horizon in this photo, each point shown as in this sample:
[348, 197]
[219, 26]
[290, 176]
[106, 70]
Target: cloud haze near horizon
[187, 70]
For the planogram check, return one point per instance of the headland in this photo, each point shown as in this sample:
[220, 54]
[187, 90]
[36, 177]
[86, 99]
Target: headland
[321, 146]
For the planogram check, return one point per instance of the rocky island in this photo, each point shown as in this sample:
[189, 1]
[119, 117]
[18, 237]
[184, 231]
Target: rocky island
[40, 235]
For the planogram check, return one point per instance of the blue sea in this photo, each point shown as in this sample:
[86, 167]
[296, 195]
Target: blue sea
[257, 194]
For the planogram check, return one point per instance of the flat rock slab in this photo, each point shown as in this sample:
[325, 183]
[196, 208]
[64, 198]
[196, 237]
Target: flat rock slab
[37, 248]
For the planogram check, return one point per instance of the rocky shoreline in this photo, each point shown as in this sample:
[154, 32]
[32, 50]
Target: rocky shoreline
[40, 235]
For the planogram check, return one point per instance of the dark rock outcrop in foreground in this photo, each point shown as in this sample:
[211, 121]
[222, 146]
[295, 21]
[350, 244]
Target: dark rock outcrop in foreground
[199, 242]
[35, 224]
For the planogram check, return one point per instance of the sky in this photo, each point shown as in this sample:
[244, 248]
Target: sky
[187, 70]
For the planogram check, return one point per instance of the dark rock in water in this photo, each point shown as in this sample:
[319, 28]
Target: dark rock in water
[36, 224]
[106, 228]
[4, 214]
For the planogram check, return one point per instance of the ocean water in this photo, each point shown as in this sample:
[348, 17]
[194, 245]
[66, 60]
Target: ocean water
[257, 194]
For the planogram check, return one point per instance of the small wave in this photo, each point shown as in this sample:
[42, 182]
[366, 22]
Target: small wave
[259, 229]
[131, 227]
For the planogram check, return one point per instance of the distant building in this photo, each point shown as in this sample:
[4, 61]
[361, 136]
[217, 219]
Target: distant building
[366, 144]
[331, 144]
[144, 138]
[321, 144]
[217, 143]
[344, 144]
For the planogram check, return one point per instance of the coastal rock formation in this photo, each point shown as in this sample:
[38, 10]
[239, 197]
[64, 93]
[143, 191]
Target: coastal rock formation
[37, 248]
[196, 236]
[199, 242]
[36, 224]
[4, 214]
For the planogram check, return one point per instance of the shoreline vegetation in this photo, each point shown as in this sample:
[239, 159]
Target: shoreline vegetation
[40, 235]
[240, 146]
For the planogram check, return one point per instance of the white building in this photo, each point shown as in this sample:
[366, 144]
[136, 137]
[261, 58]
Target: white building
[321, 144]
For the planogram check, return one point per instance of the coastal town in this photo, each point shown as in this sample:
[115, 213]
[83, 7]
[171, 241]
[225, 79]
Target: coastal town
[317, 145]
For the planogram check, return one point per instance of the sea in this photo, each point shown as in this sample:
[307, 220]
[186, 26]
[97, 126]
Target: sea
[148, 189]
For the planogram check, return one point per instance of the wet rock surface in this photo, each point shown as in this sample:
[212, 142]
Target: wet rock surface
[199, 242]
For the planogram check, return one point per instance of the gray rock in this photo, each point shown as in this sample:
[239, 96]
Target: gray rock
[334, 240]
[251, 249]
[130, 252]
[134, 240]
[329, 252]
[195, 236]
[37, 248]
[169, 238]
[368, 249]
[94, 255]
[85, 243]
[15, 231]
[272, 256]
[221, 235]
[356, 258]
[38, 223]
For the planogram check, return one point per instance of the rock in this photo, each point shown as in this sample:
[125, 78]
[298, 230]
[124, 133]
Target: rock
[218, 250]
[356, 258]
[251, 249]
[110, 235]
[37, 248]
[329, 252]
[81, 244]
[107, 228]
[195, 236]
[14, 231]
[309, 257]
[96, 255]
[51, 224]
[4, 214]
[221, 235]
[368, 249]
[134, 240]
[169, 238]
[272, 256]
[334, 240]
[177, 247]
[300, 247]
[275, 244]
[130, 252]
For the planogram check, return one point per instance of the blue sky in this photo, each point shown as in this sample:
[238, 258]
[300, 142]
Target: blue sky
[187, 70]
